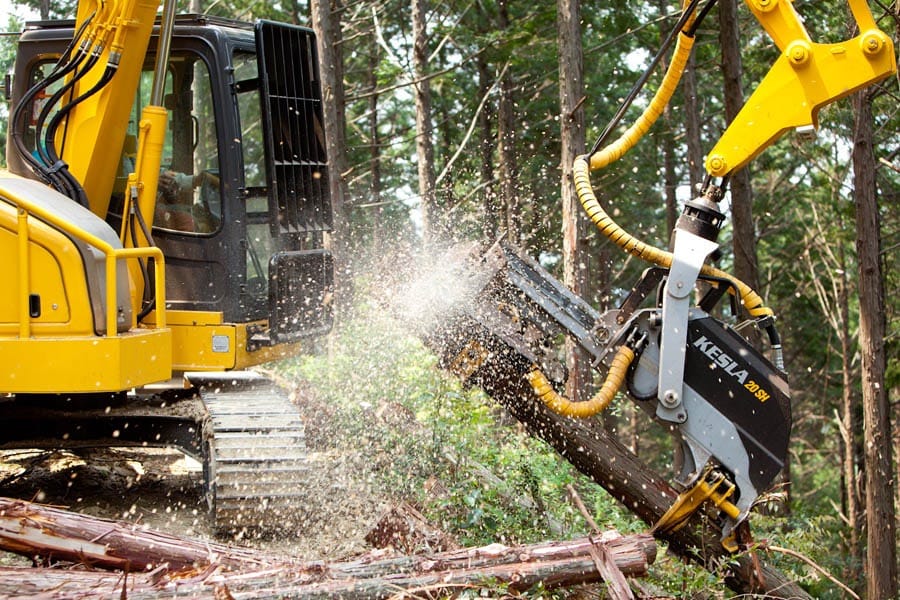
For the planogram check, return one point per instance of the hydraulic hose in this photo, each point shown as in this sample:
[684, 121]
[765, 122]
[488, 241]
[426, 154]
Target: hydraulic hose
[604, 396]
[66, 64]
[630, 137]
[687, 25]
[599, 159]
[753, 303]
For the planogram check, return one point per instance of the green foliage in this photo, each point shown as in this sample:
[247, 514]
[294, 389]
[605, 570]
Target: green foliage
[7, 59]
[419, 429]
[816, 537]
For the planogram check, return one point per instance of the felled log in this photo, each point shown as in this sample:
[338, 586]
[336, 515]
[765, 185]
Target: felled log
[49, 534]
[200, 569]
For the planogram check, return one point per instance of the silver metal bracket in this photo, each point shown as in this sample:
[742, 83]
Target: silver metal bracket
[690, 252]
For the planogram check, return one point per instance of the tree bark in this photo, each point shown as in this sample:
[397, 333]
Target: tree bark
[326, 24]
[881, 550]
[667, 145]
[849, 420]
[424, 126]
[196, 568]
[491, 205]
[692, 125]
[506, 137]
[575, 225]
[746, 267]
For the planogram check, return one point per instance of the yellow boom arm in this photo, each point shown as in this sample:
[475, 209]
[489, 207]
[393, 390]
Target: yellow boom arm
[120, 32]
[806, 77]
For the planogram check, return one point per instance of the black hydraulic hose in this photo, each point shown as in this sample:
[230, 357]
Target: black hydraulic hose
[149, 300]
[645, 76]
[64, 65]
[692, 30]
[149, 290]
[20, 117]
[775, 342]
[50, 144]
[57, 96]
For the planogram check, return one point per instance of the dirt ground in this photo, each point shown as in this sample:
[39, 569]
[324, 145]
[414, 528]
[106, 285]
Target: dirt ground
[164, 490]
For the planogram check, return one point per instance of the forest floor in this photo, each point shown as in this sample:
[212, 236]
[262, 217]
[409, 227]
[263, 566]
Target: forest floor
[162, 489]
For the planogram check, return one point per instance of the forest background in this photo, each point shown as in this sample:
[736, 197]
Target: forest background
[457, 120]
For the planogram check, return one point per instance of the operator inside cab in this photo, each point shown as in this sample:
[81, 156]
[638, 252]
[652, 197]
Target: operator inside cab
[188, 195]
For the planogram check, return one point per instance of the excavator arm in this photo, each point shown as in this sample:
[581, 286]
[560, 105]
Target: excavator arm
[806, 76]
[725, 402]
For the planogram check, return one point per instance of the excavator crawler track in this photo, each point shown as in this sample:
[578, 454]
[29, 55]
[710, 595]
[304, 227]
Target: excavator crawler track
[254, 454]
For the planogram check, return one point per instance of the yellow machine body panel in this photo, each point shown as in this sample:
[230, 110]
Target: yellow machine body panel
[85, 364]
[65, 319]
[55, 276]
[202, 341]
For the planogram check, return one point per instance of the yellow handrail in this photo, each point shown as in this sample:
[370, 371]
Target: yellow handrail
[25, 207]
[24, 281]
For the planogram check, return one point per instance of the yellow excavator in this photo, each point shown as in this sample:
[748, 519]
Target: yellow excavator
[163, 227]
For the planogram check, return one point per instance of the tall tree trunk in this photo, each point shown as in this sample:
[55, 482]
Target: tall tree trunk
[424, 127]
[881, 550]
[670, 179]
[327, 26]
[849, 421]
[491, 207]
[444, 195]
[506, 134]
[744, 238]
[692, 125]
[375, 146]
[571, 89]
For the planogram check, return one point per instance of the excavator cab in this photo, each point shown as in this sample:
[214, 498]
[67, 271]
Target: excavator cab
[243, 207]
[230, 252]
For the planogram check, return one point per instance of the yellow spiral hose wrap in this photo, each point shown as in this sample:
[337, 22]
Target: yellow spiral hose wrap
[604, 396]
[753, 302]
[627, 140]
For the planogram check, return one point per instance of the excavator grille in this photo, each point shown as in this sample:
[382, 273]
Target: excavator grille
[292, 116]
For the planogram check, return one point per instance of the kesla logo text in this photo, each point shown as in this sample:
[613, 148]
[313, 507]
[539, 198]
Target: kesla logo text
[720, 358]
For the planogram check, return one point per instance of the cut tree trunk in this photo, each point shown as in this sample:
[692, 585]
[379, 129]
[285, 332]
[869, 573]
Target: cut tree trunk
[154, 562]
[597, 453]
[501, 373]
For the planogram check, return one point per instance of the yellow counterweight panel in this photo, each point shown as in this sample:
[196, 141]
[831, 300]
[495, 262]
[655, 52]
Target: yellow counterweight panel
[85, 364]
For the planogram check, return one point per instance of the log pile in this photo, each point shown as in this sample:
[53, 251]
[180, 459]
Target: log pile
[146, 563]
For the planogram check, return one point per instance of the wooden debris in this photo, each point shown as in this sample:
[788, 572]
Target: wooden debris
[53, 534]
[404, 529]
[154, 562]
[615, 581]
